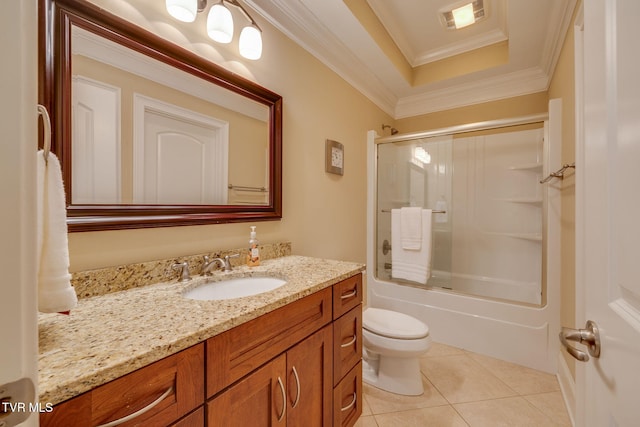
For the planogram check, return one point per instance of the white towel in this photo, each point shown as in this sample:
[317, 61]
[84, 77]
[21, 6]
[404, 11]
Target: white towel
[55, 293]
[411, 228]
[411, 265]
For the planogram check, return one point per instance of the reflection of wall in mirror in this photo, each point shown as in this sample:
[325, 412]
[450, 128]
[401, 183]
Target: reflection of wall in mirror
[248, 137]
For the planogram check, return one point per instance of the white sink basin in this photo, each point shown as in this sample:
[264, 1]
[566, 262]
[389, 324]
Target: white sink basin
[234, 288]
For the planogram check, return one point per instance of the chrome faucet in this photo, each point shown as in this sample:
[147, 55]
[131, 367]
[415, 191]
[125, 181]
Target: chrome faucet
[184, 270]
[224, 263]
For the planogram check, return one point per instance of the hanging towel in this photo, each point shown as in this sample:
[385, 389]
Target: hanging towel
[412, 265]
[411, 228]
[55, 293]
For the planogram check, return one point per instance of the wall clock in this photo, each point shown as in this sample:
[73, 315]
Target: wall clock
[334, 157]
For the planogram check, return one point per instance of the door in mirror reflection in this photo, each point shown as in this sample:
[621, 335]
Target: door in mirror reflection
[145, 133]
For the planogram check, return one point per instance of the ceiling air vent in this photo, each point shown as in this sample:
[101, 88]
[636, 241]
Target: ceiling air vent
[462, 14]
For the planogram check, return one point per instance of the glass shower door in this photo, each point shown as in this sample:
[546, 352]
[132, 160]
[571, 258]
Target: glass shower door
[488, 240]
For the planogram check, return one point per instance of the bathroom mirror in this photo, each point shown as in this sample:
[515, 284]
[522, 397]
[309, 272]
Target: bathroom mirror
[149, 134]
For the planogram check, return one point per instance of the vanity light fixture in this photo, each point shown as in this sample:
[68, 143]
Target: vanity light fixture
[220, 23]
[185, 10]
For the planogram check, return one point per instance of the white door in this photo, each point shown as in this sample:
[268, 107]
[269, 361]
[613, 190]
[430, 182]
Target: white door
[180, 157]
[608, 227]
[18, 119]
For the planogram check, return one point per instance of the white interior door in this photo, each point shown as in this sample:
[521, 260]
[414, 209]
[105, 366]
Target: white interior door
[96, 142]
[180, 157]
[18, 305]
[608, 227]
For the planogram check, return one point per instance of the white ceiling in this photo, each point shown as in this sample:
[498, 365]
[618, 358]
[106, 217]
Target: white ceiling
[534, 29]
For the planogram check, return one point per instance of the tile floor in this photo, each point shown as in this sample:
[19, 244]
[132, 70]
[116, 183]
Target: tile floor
[469, 390]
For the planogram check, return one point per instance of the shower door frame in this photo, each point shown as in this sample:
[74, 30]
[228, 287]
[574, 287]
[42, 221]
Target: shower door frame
[520, 333]
[457, 130]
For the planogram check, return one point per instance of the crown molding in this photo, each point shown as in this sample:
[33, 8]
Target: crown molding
[510, 85]
[301, 25]
[562, 17]
[364, 66]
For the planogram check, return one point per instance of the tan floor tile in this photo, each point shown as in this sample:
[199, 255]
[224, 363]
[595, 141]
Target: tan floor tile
[366, 409]
[519, 378]
[427, 417]
[462, 379]
[507, 412]
[438, 350]
[367, 421]
[552, 405]
[381, 401]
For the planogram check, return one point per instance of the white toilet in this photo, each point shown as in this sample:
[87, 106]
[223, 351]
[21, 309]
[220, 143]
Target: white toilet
[393, 343]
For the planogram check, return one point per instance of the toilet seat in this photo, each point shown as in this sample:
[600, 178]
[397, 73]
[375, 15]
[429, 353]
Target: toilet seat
[392, 324]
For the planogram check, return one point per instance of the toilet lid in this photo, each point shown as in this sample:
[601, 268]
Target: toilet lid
[392, 324]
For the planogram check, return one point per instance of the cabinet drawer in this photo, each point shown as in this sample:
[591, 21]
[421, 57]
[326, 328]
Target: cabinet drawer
[234, 353]
[347, 398]
[347, 342]
[170, 387]
[346, 295]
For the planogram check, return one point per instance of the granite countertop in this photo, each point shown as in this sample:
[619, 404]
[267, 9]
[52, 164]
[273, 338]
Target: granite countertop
[108, 336]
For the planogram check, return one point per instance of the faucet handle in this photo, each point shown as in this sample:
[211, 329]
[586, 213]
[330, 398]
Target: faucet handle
[184, 270]
[227, 263]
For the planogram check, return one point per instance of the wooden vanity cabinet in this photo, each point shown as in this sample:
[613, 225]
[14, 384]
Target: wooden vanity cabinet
[298, 365]
[295, 366]
[171, 388]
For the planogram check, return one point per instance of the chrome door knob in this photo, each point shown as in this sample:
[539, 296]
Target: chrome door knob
[590, 336]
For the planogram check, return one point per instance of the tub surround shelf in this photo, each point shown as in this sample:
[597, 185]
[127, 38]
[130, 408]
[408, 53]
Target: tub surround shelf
[523, 200]
[534, 237]
[527, 166]
[106, 337]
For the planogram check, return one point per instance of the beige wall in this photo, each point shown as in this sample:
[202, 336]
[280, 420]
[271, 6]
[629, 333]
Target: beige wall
[563, 86]
[323, 215]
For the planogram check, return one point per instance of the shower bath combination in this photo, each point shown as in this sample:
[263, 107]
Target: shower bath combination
[493, 287]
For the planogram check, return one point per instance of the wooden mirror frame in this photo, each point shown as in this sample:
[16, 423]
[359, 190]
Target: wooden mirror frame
[54, 92]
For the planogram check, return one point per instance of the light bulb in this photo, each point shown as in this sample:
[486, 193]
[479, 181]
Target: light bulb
[250, 44]
[183, 10]
[220, 23]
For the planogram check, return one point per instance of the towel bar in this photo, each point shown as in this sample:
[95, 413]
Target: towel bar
[433, 211]
[559, 173]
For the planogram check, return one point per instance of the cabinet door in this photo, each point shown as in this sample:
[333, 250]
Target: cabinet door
[235, 353]
[309, 384]
[257, 400]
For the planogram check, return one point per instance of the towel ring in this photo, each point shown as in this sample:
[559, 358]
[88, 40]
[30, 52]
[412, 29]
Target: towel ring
[46, 122]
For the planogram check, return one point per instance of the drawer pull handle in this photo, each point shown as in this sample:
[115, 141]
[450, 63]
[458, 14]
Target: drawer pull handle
[295, 403]
[349, 295]
[350, 343]
[284, 400]
[138, 412]
[350, 405]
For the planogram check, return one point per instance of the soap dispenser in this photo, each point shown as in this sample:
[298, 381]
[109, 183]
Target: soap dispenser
[253, 257]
